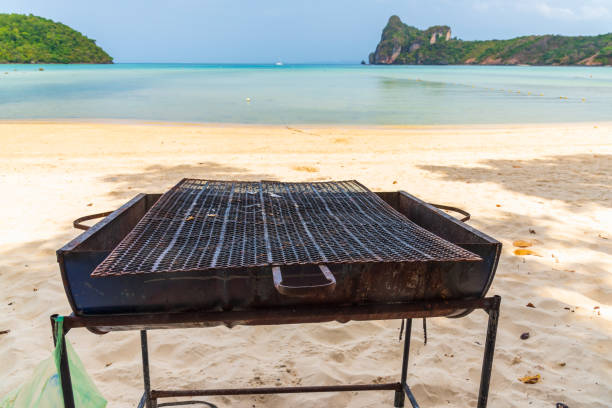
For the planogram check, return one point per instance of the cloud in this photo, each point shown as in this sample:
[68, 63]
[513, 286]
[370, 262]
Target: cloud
[593, 12]
[553, 10]
[481, 5]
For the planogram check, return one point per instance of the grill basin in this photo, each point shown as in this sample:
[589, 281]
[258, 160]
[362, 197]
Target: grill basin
[209, 245]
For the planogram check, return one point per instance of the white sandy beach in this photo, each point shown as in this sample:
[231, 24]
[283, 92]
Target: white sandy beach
[552, 179]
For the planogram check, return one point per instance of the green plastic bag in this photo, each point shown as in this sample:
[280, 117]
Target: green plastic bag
[44, 388]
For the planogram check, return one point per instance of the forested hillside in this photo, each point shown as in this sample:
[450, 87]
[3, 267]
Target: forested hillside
[31, 39]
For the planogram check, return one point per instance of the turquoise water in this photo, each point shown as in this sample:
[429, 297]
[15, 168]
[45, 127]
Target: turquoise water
[301, 94]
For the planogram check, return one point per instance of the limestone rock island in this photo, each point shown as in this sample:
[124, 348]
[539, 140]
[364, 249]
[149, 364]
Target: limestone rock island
[403, 44]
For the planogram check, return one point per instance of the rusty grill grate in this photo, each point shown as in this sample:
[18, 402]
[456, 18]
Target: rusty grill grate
[202, 225]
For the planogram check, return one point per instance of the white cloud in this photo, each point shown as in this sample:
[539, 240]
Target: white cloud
[481, 5]
[594, 11]
[554, 12]
[551, 9]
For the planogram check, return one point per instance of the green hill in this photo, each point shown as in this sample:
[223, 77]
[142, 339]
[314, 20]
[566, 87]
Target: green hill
[31, 39]
[403, 44]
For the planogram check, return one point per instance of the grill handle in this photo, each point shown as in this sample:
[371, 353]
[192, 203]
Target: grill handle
[77, 223]
[466, 215]
[319, 290]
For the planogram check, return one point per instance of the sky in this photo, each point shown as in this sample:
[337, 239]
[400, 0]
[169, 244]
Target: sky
[294, 31]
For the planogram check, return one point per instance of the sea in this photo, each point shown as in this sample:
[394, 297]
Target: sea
[307, 94]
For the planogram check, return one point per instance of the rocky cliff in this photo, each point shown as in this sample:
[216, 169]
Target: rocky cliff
[404, 44]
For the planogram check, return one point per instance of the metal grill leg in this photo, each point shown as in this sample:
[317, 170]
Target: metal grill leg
[65, 376]
[149, 403]
[64, 368]
[399, 394]
[487, 362]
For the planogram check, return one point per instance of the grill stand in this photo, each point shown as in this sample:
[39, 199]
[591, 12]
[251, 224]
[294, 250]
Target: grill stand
[402, 390]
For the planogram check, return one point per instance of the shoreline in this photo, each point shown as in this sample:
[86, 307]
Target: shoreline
[105, 121]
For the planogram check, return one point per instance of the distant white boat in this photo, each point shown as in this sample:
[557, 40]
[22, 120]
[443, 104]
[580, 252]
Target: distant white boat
[278, 63]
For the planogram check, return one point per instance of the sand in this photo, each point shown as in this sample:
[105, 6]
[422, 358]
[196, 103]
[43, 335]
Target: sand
[551, 179]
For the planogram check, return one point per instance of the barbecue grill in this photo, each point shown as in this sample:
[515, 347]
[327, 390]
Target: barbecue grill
[217, 245]
[227, 252]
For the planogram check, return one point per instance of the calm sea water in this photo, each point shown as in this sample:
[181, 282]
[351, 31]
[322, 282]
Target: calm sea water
[301, 94]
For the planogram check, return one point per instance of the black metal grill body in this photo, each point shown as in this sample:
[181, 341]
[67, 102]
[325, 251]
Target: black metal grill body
[224, 287]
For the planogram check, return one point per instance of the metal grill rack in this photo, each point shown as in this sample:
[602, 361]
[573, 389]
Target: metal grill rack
[204, 225]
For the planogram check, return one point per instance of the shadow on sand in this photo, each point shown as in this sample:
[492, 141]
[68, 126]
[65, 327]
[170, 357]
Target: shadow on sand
[572, 179]
[577, 181]
[158, 178]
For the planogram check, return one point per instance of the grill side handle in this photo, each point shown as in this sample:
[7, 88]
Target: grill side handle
[301, 287]
[78, 223]
[466, 215]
